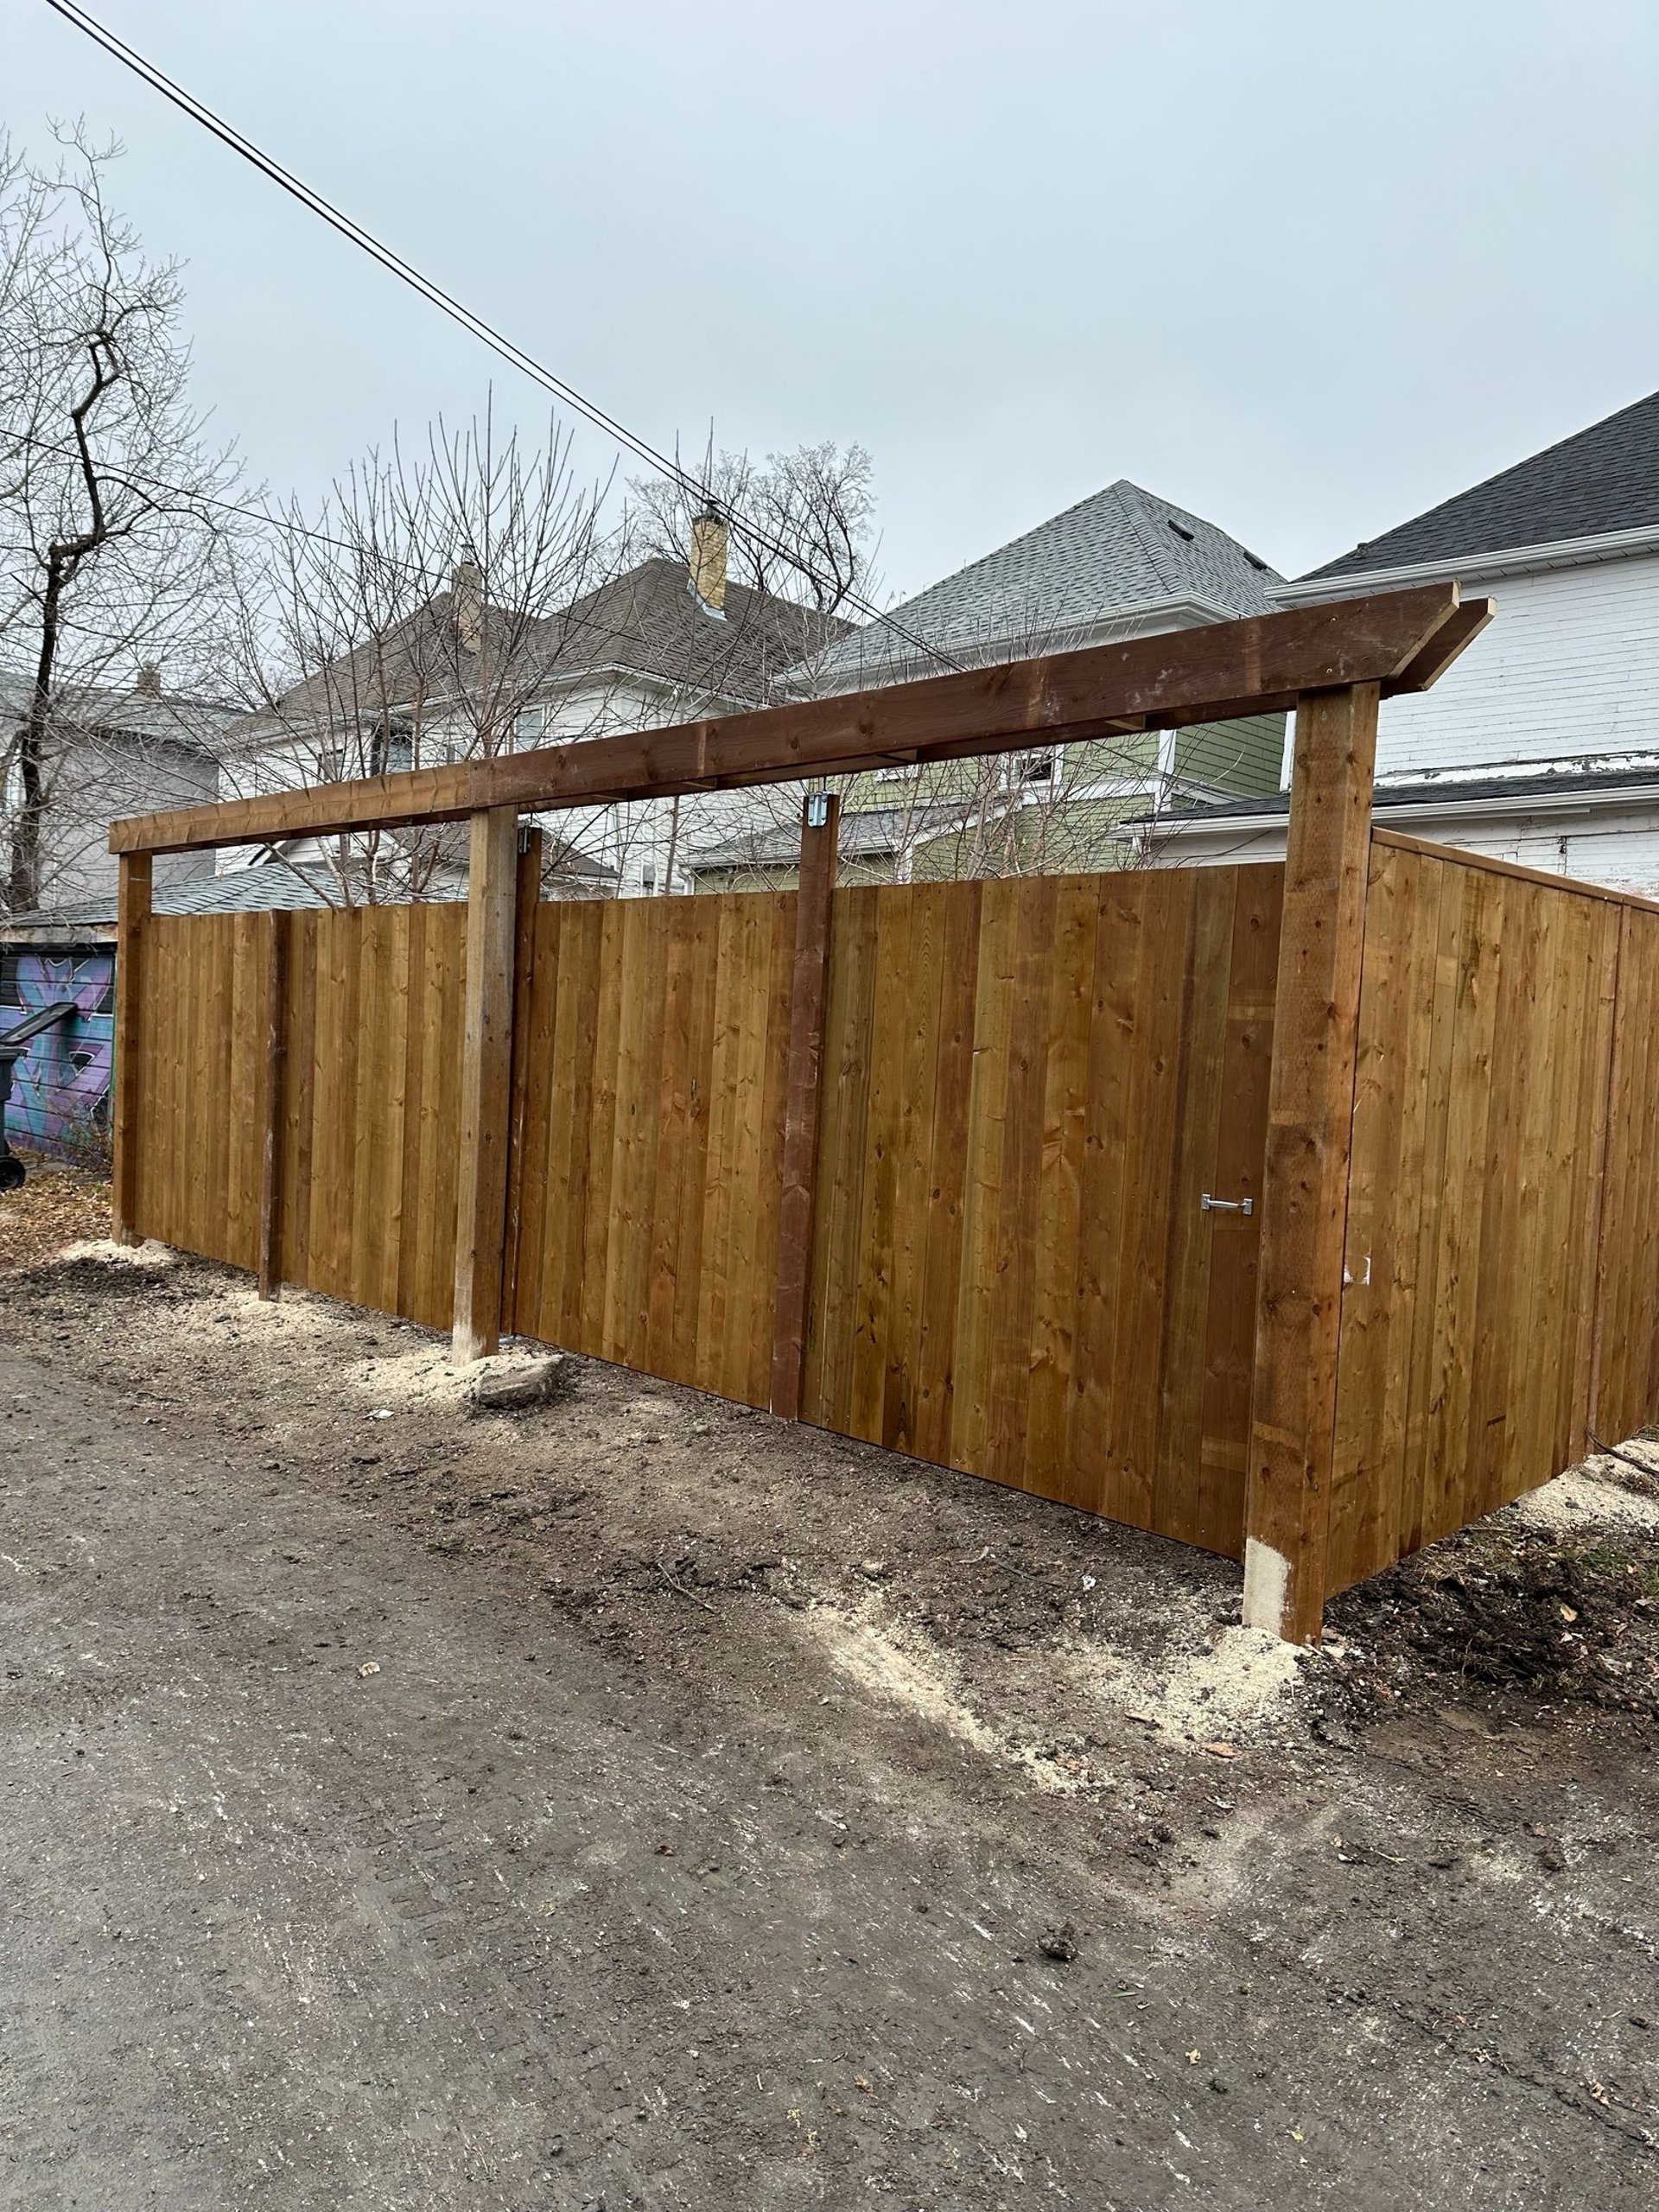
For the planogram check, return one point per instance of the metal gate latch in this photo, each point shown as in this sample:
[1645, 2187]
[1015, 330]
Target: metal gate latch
[1207, 1205]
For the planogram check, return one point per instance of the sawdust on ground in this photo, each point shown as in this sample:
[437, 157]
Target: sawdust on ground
[57, 1207]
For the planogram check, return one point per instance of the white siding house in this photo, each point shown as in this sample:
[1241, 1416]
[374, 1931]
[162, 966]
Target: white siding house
[1542, 743]
[1569, 671]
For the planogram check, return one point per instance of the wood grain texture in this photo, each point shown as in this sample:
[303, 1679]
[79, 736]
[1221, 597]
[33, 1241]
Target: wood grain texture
[1501, 1223]
[809, 979]
[1025, 1085]
[1401, 641]
[1305, 1203]
[364, 1165]
[132, 915]
[273, 1105]
[656, 1062]
[485, 1084]
[527, 891]
[1624, 1354]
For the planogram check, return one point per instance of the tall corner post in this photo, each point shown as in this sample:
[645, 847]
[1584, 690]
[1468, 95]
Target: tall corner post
[485, 1085]
[132, 913]
[820, 826]
[1310, 1140]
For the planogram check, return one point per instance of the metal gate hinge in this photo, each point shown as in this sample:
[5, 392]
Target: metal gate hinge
[1207, 1205]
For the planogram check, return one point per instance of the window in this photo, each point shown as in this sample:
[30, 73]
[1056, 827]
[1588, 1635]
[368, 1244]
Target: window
[1036, 767]
[391, 746]
[331, 764]
[529, 727]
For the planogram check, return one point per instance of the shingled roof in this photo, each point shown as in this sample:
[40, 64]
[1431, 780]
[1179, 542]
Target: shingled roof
[645, 621]
[1121, 552]
[650, 620]
[1596, 483]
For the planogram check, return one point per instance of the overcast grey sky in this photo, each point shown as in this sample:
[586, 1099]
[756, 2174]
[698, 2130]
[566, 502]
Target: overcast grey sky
[1303, 265]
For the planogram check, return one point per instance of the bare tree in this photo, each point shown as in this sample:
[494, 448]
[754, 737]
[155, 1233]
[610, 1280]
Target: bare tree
[468, 594]
[421, 615]
[800, 525]
[114, 550]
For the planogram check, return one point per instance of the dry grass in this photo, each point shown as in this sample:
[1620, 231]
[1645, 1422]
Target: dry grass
[57, 1207]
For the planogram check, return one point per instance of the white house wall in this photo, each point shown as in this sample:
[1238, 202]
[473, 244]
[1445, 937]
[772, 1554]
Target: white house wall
[1619, 848]
[1569, 671]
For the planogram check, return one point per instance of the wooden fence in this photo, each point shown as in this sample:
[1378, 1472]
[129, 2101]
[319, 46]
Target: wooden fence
[1304, 1213]
[1029, 1087]
[361, 1095]
[1502, 1267]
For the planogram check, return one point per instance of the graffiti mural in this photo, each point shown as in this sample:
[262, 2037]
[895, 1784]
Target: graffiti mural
[60, 1093]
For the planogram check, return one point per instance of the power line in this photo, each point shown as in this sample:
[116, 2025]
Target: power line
[589, 625]
[446, 304]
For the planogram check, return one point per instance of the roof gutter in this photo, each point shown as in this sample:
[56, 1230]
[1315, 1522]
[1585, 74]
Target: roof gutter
[1562, 553]
[1428, 810]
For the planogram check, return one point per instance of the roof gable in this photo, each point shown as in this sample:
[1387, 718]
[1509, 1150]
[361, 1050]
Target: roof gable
[1121, 550]
[1599, 481]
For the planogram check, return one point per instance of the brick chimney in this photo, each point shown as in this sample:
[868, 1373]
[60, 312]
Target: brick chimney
[149, 685]
[467, 589]
[709, 560]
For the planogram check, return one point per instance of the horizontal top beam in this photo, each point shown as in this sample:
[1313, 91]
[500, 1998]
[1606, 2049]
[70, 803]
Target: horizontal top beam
[1402, 640]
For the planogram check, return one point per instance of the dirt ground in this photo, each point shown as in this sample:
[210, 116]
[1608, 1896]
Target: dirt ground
[56, 1206]
[639, 1803]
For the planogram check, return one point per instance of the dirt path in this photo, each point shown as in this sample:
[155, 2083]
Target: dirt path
[641, 1803]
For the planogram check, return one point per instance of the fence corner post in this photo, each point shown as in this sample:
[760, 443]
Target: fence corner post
[134, 876]
[820, 823]
[485, 1085]
[1304, 1184]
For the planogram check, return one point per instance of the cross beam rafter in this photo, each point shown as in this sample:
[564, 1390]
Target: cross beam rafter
[1400, 640]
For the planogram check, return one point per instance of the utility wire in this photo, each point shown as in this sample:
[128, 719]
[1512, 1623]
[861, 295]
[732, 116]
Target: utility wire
[446, 304]
[588, 626]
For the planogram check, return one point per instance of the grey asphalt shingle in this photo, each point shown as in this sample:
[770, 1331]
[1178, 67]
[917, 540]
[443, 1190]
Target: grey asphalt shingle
[1122, 549]
[1600, 481]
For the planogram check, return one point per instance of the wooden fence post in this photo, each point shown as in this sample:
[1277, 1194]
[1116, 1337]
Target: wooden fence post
[527, 896]
[485, 1085]
[820, 821]
[271, 1184]
[132, 912]
[1305, 1186]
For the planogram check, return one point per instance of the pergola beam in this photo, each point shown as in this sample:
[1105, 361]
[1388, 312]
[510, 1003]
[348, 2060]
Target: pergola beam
[1400, 641]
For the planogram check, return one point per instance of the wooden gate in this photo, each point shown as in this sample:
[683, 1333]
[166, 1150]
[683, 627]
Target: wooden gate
[1029, 1088]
